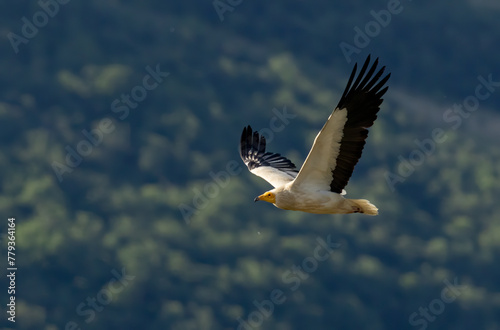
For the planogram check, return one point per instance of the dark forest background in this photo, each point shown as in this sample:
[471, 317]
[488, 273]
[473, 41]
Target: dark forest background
[135, 212]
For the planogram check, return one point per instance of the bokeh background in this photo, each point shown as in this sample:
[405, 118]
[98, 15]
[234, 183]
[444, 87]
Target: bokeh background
[154, 227]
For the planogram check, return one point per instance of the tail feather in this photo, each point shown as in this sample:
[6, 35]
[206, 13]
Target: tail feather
[363, 206]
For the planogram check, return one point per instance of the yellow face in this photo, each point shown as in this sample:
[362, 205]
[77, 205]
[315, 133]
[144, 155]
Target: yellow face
[266, 197]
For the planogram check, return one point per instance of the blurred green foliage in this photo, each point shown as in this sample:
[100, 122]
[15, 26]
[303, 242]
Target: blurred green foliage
[118, 210]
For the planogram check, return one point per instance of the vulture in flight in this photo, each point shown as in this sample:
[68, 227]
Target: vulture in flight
[318, 187]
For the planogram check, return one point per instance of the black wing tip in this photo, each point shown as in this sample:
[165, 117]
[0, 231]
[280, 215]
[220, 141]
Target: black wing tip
[253, 152]
[362, 99]
[367, 82]
[247, 130]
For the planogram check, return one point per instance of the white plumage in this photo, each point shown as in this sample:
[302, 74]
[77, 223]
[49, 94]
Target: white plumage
[318, 186]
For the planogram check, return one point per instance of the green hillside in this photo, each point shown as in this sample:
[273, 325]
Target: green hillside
[120, 122]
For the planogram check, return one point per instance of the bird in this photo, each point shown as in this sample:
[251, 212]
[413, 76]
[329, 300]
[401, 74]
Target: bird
[318, 187]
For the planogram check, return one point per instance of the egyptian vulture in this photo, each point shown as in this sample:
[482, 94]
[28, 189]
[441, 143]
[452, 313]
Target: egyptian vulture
[319, 185]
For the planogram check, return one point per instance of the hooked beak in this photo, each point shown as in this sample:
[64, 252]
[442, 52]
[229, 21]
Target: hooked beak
[256, 199]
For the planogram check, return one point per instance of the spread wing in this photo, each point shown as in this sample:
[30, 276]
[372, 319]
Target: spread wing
[274, 168]
[338, 146]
